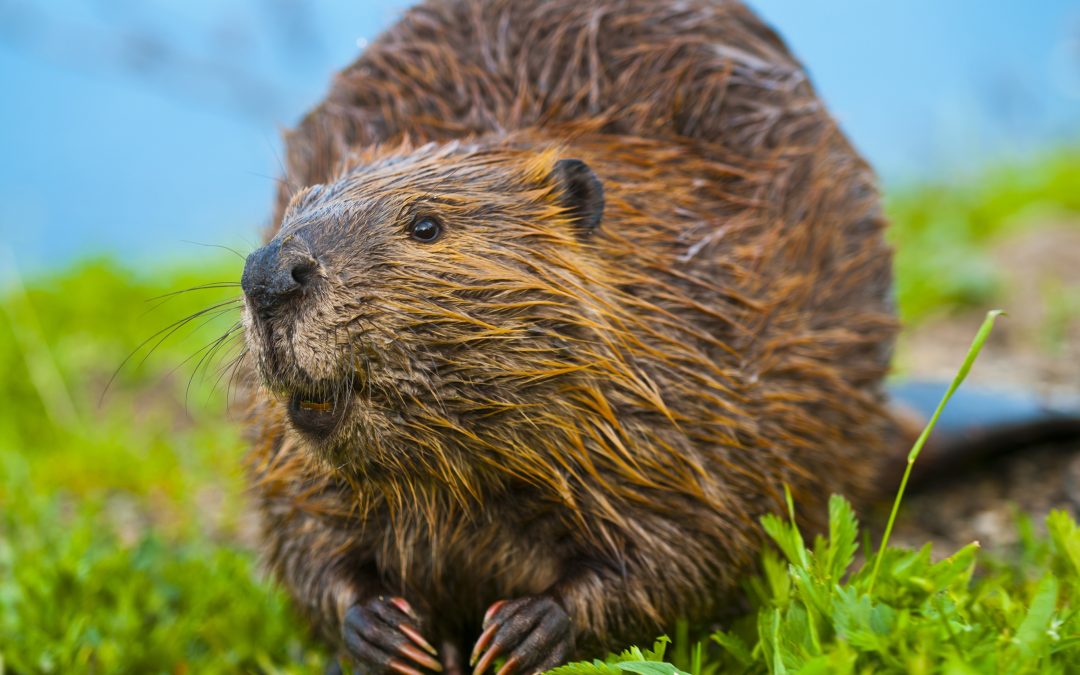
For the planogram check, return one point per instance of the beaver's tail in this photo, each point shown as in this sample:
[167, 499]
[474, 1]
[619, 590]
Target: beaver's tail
[976, 426]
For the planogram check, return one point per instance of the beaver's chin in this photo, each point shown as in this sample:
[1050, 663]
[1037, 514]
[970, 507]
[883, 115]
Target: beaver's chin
[317, 411]
[317, 418]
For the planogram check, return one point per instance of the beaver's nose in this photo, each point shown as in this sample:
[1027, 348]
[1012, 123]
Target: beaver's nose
[270, 277]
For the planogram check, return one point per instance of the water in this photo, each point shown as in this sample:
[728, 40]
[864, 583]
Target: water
[134, 127]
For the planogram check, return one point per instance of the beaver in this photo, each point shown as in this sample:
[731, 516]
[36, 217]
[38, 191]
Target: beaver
[558, 297]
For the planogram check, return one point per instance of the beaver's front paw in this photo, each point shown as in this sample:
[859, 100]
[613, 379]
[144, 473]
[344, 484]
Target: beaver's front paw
[382, 636]
[533, 634]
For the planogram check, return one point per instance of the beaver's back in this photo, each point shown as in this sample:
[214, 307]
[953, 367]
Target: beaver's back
[707, 70]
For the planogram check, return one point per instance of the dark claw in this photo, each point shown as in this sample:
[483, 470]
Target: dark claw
[381, 639]
[495, 606]
[510, 666]
[483, 642]
[416, 637]
[403, 605]
[399, 667]
[533, 633]
[490, 656]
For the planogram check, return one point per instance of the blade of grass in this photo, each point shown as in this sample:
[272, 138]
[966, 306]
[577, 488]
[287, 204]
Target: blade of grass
[41, 365]
[972, 354]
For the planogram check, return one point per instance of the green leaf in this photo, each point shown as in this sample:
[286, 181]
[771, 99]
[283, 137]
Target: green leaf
[788, 538]
[954, 572]
[649, 668]
[840, 660]
[778, 666]
[1066, 537]
[1033, 635]
[777, 589]
[843, 531]
[860, 621]
[735, 646]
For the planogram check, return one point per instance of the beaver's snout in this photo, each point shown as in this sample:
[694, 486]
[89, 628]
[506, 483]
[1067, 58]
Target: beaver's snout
[279, 279]
[273, 274]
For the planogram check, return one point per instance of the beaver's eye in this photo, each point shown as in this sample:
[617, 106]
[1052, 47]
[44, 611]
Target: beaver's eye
[426, 230]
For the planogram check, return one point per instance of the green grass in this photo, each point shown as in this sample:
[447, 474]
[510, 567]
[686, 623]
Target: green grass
[120, 515]
[820, 613]
[122, 519]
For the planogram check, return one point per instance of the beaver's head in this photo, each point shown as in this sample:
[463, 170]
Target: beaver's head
[422, 294]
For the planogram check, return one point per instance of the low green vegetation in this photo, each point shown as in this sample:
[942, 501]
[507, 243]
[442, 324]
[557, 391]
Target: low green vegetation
[121, 510]
[124, 545]
[817, 611]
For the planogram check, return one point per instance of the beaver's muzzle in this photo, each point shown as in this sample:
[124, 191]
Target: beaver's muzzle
[273, 275]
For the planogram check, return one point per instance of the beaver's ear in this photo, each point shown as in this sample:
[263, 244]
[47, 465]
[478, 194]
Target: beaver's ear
[581, 192]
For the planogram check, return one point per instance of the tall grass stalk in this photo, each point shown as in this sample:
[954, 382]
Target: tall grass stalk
[972, 354]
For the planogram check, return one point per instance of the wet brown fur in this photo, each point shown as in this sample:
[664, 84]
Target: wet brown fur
[535, 408]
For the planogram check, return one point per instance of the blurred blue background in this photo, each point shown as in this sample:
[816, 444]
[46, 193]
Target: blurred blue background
[136, 127]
